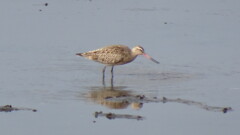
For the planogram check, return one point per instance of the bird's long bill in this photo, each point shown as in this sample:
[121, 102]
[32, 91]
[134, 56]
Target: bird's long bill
[149, 57]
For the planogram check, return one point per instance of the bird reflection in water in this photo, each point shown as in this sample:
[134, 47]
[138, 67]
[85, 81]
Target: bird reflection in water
[118, 98]
[100, 94]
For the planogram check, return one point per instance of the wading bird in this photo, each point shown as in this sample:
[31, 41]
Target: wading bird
[115, 55]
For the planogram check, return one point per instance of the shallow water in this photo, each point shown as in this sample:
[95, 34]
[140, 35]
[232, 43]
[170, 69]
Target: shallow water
[197, 45]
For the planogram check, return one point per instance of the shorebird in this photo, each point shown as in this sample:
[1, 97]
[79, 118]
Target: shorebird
[115, 55]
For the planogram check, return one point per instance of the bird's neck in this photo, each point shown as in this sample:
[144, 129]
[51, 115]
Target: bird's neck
[134, 55]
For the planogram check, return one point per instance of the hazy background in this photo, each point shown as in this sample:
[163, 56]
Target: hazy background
[196, 42]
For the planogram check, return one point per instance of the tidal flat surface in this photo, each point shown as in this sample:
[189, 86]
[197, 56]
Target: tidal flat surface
[196, 43]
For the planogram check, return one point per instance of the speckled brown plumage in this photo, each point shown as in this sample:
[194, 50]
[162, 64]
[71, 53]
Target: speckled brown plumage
[111, 55]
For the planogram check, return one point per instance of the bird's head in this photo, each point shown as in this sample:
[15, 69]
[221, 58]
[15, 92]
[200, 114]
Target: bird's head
[138, 50]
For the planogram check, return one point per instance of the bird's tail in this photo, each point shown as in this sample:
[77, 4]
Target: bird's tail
[80, 54]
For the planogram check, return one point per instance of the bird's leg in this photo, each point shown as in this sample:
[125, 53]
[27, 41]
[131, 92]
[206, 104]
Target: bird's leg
[112, 76]
[112, 71]
[103, 78]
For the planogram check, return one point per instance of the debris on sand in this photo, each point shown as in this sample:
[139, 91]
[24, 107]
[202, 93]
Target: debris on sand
[143, 99]
[9, 108]
[117, 116]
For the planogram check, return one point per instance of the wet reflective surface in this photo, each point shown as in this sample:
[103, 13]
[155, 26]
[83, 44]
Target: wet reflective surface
[196, 81]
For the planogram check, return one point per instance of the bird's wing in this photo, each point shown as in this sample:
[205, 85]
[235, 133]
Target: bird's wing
[111, 56]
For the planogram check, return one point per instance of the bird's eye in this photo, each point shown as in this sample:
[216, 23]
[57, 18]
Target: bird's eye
[140, 49]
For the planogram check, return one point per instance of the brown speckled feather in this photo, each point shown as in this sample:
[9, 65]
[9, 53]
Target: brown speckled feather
[111, 55]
